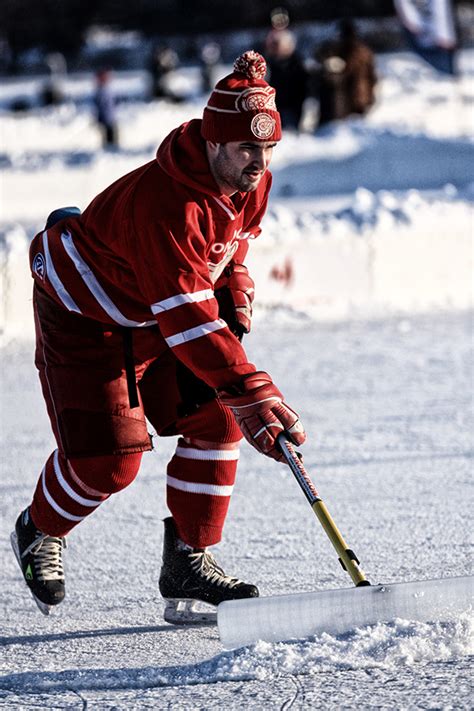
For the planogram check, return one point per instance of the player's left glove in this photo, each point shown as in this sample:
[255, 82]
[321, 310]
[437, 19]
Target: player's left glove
[235, 293]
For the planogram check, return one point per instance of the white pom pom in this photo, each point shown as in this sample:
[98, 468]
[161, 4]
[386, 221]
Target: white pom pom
[251, 64]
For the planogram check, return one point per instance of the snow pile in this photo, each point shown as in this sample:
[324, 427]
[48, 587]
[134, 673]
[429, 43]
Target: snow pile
[414, 98]
[384, 252]
[383, 647]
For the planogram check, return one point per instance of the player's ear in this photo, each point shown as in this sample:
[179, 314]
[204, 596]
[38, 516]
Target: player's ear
[212, 149]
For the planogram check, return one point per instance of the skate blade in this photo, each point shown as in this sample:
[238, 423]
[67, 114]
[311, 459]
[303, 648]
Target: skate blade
[45, 609]
[189, 612]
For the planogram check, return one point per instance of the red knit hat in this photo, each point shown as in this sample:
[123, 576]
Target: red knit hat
[242, 106]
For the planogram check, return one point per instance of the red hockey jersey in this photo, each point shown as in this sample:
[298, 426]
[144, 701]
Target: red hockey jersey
[150, 248]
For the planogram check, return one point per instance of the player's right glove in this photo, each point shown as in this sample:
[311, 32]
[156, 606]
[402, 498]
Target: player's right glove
[261, 414]
[235, 292]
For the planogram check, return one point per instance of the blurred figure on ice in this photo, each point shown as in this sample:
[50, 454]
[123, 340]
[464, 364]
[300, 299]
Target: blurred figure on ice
[288, 75]
[210, 56]
[345, 79]
[141, 303]
[163, 61]
[104, 102]
[51, 93]
[431, 31]
[286, 70]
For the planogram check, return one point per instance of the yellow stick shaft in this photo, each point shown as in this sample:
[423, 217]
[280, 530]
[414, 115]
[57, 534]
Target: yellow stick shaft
[346, 555]
[338, 542]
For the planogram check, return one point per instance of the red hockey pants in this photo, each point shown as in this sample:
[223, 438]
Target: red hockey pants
[101, 437]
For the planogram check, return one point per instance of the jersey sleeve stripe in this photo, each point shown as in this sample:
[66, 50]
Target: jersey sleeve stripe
[55, 281]
[197, 488]
[197, 332]
[173, 301]
[95, 288]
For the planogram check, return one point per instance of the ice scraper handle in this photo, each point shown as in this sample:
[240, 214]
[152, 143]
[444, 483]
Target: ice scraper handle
[347, 557]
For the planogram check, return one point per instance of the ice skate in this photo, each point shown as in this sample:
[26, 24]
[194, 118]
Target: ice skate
[193, 584]
[40, 559]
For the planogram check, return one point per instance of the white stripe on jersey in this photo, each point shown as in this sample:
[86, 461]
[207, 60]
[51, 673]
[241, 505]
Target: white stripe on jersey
[192, 487]
[95, 288]
[203, 330]
[208, 455]
[55, 281]
[173, 301]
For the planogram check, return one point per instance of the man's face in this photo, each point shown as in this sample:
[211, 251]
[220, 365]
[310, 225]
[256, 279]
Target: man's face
[239, 166]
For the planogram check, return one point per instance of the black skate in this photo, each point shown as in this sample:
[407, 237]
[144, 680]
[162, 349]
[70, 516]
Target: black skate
[193, 584]
[40, 559]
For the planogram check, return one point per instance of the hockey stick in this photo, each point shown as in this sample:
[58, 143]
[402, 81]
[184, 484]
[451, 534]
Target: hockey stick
[347, 557]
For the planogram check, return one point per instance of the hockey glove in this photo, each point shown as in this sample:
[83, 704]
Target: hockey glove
[261, 414]
[235, 297]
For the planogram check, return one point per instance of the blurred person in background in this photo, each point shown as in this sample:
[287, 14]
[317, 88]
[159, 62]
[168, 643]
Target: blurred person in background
[210, 56]
[345, 78]
[286, 70]
[141, 303]
[105, 107]
[288, 76]
[163, 61]
[51, 92]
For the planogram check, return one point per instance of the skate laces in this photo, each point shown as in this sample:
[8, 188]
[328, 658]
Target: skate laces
[205, 565]
[47, 552]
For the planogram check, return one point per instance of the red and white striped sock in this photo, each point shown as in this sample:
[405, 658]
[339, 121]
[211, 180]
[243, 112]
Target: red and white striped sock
[70, 490]
[200, 480]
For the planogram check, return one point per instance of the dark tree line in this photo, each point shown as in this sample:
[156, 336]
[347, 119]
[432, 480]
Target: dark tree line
[50, 24]
[60, 25]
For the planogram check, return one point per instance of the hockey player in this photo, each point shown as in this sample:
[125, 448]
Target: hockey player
[139, 304]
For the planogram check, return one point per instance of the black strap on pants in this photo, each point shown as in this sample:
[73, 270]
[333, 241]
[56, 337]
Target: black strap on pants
[127, 334]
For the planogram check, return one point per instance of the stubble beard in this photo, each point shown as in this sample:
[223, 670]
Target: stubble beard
[245, 185]
[235, 180]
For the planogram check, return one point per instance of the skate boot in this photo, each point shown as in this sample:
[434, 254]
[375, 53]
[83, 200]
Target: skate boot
[193, 584]
[40, 559]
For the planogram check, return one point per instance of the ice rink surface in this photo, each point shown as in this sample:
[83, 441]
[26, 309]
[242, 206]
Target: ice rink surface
[388, 411]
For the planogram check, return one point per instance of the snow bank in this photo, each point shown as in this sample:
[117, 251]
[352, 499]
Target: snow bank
[381, 254]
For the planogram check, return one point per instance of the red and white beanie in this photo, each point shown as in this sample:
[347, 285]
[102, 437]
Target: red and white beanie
[242, 106]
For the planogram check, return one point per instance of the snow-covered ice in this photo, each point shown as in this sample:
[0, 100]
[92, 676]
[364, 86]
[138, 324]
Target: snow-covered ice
[369, 335]
[388, 412]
